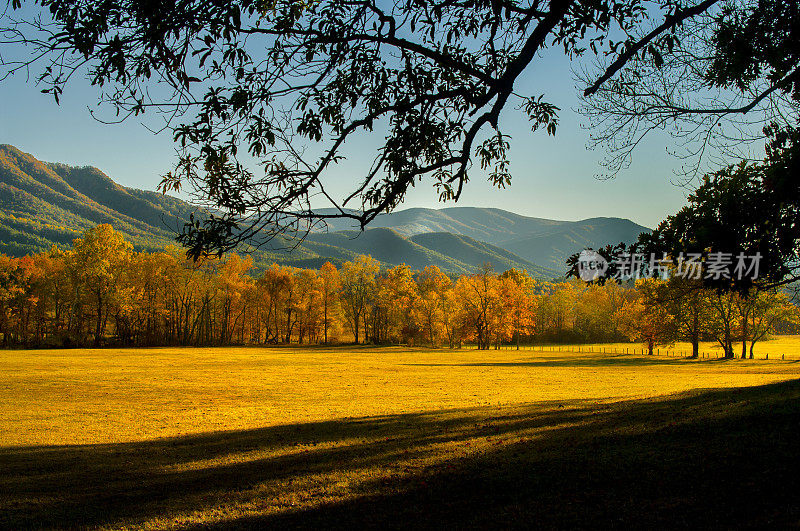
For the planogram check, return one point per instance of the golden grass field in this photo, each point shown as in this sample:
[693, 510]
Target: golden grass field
[306, 437]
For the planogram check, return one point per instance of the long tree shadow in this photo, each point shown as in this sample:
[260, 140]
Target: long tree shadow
[711, 458]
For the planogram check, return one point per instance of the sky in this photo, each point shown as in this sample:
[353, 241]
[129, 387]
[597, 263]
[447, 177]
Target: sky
[553, 177]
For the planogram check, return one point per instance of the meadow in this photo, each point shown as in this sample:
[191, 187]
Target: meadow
[363, 436]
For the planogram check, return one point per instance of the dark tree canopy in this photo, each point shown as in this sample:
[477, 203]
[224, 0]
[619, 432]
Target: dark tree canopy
[736, 210]
[285, 84]
[728, 87]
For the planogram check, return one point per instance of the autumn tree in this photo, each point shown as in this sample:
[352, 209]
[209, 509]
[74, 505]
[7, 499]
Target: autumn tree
[556, 309]
[433, 287]
[397, 299]
[452, 311]
[96, 261]
[309, 306]
[277, 287]
[232, 281]
[15, 297]
[687, 302]
[645, 319]
[358, 290]
[767, 309]
[517, 292]
[51, 290]
[480, 301]
[330, 295]
[725, 313]
[597, 311]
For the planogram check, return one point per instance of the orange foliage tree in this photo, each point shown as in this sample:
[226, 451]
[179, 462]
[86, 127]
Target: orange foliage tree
[100, 291]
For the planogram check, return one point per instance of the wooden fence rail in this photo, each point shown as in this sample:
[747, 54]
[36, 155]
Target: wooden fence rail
[595, 349]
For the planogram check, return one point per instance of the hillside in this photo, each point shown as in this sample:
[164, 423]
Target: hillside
[452, 253]
[491, 225]
[45, 204]
[550, 248]
[545, 242]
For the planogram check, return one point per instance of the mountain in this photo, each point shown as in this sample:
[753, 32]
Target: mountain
[490, 225]
[545, 242]
[45, 204]
[453, 253]
[551, 247]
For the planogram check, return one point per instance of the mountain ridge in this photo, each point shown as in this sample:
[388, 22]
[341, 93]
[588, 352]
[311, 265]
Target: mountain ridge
[44, 204]
[545, 242]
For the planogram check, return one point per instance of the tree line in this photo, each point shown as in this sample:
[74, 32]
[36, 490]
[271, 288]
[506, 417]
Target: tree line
[101, 292]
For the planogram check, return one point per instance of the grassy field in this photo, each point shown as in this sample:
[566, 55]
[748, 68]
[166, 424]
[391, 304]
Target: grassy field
[389, 437]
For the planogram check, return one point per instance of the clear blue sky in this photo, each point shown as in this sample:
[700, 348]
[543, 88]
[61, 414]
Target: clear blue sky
[554, 177]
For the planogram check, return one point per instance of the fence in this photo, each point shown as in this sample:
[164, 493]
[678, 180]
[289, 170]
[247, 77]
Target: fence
[638, 351]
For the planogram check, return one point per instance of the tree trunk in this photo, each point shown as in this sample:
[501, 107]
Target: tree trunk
[325, 322]
[728, 347]
[744, 338]
[99, 319]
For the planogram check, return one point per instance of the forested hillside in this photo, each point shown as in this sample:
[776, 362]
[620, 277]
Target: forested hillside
[44, 204]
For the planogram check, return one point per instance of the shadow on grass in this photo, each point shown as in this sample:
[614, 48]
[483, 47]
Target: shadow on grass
[709, 458]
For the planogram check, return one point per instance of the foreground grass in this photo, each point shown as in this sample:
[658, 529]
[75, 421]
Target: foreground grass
[250, 437]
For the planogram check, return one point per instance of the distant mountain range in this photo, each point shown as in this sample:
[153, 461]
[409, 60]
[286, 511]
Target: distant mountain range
[44, 204]
[545, 242]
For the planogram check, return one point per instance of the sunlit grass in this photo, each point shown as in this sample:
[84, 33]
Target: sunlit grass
[172, 437]
[100, 396]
